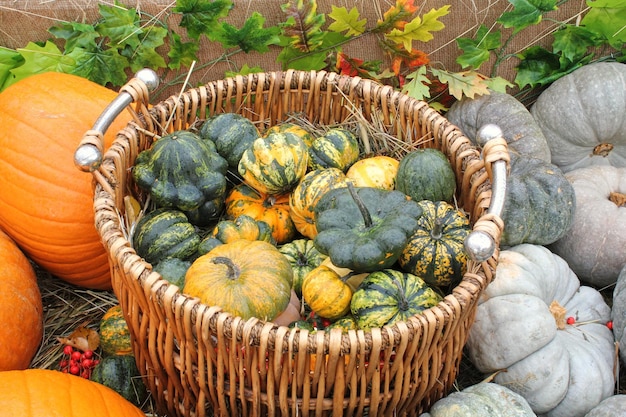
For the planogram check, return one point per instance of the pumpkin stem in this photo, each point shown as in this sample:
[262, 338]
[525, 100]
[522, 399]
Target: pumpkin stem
[618, 198]
[367, 218]
[233, 270]
[437, 230]
[558, 311]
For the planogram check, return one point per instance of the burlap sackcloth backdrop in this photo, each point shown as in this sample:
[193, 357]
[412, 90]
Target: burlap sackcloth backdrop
[22, 21]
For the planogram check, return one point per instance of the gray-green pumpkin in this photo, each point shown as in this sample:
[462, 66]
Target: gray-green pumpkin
[485, 399]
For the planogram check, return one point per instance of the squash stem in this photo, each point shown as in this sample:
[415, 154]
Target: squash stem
[437, 230]
[233, 271]
[367, 218]
[403, 303]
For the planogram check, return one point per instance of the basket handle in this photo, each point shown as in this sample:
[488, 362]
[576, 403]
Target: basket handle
[89, 154]
[480, 245]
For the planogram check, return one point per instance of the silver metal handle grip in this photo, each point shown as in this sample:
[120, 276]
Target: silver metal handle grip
[88, 157]
[479, 245]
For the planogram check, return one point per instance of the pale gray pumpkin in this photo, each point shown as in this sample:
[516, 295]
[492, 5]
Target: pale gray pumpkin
[595, 244]
[582, 116]
[614, 406]
[618, 313]
[517, 124]
[561, 369]
[485, 399]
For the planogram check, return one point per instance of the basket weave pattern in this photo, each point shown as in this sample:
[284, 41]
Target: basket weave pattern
[198, 360]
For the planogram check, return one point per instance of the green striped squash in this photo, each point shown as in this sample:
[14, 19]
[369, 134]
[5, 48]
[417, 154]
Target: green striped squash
[435, 252]
[274, 164]
[304, 198]
[337, 148]
[231, 133]
[165, 233]
[426, 174]
[389, 296]
[114, 332]
[242, 227]
[304, 257]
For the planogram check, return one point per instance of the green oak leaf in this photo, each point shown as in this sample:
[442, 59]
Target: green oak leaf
[182, 53]
[346, 21]
[202, 16]
[251, 37]
[295, 58]
[526, 13]
[102, 66]
[418, 84]
[9, 59]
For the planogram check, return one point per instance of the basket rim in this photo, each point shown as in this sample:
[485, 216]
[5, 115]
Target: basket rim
[460, 299]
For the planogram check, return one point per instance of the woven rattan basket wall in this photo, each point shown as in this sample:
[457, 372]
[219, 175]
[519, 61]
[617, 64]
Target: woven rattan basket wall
[198, 360]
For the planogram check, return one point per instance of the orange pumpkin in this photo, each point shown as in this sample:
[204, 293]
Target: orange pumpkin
[21, 310]
[46, 202]
[272, 209]
[44, 392]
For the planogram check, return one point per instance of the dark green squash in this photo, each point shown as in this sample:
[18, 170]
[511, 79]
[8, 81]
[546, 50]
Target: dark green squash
[165, 233]
[337, 148]
[232, 134]
[120, 373]
[182, 171]
[304, 257]
[426, 174]
[388, 296]
[436, 252]
[364, 229]
[540, 203]
[173, 270]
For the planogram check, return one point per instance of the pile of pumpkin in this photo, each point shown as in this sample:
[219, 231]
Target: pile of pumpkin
[296, 227]
[543, 330]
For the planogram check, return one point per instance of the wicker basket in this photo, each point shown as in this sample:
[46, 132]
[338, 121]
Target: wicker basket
[198, 360]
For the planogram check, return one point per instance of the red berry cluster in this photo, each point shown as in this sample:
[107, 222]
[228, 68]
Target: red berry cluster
[77, 362]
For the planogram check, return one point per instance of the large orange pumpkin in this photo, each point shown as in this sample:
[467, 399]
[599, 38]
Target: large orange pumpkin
[48, 393]
[21, 310]
[46, 202]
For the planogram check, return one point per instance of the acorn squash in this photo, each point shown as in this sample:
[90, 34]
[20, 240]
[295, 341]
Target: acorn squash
[114, 333]
[120, 373]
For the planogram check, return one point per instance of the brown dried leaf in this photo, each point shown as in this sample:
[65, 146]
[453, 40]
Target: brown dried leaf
[83, 338]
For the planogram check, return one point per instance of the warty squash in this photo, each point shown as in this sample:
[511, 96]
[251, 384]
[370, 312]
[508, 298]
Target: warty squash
[46, 203]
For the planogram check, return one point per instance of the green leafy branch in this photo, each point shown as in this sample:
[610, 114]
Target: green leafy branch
[601, 32]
